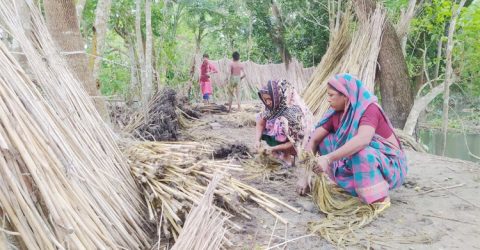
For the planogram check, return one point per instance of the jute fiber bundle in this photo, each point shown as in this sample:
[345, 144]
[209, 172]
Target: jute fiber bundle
[262, 165]
[64, 183]
[346, 215]
[355, 54]
[242, 119]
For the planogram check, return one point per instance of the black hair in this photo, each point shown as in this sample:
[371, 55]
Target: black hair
[205, 55]
[236, 56]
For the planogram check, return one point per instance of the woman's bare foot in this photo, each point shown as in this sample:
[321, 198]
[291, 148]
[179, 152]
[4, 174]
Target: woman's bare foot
[381, 204]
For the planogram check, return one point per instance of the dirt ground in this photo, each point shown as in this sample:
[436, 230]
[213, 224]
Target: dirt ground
[438, 207]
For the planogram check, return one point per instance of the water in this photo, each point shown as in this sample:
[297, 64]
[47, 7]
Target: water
[456, 146]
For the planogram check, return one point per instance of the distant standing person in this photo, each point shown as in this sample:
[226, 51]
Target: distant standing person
[237, 73]
[206, 70]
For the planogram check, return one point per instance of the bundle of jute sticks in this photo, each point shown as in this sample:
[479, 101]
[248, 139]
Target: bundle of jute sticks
[157, 121]
[174, 176]
[204, 228]
[63, 181]
[355, 54]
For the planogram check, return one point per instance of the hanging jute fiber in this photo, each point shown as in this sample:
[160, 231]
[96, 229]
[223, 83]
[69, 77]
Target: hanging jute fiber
[257, 75]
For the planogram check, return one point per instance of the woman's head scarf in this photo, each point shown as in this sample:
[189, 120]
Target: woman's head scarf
[359, 98]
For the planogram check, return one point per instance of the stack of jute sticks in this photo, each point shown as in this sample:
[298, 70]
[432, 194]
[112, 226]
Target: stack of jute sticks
[174, 176]
[63, 181]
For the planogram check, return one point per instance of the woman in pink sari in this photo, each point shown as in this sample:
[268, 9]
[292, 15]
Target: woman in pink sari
[358, 148]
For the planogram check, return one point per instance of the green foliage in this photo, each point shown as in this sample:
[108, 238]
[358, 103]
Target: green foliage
[429, 26]
[307, 39]
[220, 27]
[86, 23]
[467, 52]
[306, 36]
[394, 8]
[114, 73]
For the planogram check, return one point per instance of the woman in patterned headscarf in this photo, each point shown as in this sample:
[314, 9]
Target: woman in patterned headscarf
[281, 125]
[357, 145]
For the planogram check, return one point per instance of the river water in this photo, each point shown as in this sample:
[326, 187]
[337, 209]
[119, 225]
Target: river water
[456, 144]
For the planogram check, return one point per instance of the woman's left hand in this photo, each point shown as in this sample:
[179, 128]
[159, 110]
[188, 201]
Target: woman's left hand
[269, 150]
[322, 165]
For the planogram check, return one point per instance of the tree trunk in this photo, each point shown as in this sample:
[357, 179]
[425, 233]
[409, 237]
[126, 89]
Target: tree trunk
[133, 88]
[334, 16]
[439, 57]
[419, 105]
[79, 8]
[101, 19]
[395, 89]
[449, 71]
[147, 86]
[198, 43]
[249, 41]
[139, 42]
[278, 33]
[61, 20]
[404, 24]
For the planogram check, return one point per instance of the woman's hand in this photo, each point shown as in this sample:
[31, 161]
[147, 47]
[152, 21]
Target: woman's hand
[303, 185]
[268, 150]
[323, 163]
[258, 146]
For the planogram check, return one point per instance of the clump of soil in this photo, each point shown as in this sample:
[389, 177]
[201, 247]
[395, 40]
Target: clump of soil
[232, 150]
[162, 123]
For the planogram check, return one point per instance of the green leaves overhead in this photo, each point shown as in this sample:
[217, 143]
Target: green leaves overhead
[251, 27]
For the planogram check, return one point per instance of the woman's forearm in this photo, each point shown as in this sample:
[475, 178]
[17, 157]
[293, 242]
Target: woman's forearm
[312, 145]
[348, 149]
[259, 129]
[258, 134]
[316, 138]
[283, 146]
[357, 143]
